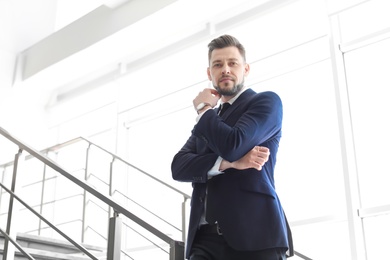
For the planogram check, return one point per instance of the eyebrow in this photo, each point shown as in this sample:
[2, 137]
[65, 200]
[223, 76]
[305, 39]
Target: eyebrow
[231, 59]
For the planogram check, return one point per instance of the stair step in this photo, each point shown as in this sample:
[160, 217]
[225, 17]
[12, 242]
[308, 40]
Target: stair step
[43, 248]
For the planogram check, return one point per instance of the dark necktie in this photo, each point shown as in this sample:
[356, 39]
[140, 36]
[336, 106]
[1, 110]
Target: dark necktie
[223, 107]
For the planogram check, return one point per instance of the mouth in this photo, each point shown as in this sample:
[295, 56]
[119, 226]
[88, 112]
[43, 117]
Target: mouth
[225, 79]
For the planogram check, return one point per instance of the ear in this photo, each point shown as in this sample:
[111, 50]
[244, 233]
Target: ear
[209, 73]
[247, 69]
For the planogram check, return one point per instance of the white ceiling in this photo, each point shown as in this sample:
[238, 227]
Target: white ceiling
[65, 43]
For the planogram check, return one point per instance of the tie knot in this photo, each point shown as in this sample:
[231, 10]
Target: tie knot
[223, 108]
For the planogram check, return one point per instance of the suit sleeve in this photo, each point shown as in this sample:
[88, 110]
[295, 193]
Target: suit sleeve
[258, 122]
[192, 165]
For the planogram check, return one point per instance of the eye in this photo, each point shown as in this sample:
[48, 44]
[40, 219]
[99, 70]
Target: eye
[217, 65]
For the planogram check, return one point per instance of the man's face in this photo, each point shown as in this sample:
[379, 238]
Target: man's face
[227, 71]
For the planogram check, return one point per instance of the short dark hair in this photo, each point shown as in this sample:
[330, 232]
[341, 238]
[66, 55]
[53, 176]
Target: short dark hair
[226, 41]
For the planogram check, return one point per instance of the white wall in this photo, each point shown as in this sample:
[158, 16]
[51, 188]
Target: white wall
[298, 49]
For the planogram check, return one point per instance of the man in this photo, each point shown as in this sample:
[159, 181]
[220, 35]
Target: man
[230, 159]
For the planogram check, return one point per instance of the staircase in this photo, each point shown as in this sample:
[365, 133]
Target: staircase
[50, 249]
[100, 199]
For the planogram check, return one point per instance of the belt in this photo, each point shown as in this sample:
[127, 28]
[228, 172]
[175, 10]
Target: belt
[210, 229]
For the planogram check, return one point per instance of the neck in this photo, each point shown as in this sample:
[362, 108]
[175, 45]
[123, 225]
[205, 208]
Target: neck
[226, 98]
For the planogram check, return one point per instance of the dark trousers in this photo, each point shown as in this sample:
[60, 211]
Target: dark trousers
[212, 246]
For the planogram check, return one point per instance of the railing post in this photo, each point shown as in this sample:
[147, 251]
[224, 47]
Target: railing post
[85, 200]
[9, 252]
[110, 184]
[114, 238]
[176, 251]
[2, 181]
[42, 195]
[184, 220]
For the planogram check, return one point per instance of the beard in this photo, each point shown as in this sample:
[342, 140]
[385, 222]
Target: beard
[230, 92]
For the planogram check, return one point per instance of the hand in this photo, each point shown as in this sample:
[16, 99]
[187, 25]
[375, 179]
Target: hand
[255, 158]
[208, 95]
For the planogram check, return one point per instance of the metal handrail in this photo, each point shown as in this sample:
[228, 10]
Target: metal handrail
[147, 210]
[118, 209]
[116, 157]
[302, 256]
[59, 146]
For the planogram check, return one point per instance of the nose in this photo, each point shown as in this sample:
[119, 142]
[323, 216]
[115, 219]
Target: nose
[225, 69]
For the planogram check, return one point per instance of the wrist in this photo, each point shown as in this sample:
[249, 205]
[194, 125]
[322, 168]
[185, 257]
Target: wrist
[203, 107]
[224, 165]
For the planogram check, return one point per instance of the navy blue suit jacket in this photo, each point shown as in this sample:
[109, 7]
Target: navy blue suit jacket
[244, 202]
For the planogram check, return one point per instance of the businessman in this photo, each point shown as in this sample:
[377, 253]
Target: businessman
[230, 159]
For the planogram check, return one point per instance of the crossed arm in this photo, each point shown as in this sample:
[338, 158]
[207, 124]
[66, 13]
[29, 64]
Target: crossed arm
[188, 166]
[255, 158]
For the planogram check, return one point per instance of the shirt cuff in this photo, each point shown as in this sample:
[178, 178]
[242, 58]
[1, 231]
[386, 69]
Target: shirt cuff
[215, 170]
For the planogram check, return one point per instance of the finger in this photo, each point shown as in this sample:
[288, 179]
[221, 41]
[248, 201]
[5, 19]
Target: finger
[262, 155]
[263, 149]
[213, 91]
[258, 167]
[261, 162]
